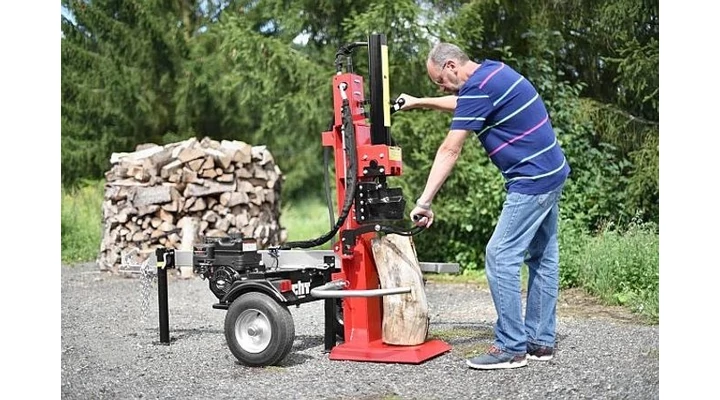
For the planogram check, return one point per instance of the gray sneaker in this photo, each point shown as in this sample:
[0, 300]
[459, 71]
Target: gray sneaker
[539, 353]
[497, 359]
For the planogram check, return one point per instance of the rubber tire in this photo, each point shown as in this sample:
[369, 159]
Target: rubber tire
[339, 319]
[282, 329]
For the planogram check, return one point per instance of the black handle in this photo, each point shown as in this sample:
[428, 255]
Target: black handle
[397, 105]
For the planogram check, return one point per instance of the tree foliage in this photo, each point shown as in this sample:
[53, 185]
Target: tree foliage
[260, 71]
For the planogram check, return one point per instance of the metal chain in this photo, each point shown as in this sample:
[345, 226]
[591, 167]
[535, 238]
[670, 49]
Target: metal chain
[148, 279]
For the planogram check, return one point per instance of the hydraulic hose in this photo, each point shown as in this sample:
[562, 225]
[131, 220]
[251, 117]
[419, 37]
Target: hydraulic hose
[351, 182]
[328, 193]
[346, 51]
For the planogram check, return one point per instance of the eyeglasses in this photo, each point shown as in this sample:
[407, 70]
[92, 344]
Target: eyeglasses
[440, 80]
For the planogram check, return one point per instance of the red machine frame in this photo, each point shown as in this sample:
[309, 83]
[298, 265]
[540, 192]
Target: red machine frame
[363, 315]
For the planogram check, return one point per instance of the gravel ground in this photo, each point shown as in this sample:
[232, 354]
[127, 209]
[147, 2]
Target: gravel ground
[110, 350]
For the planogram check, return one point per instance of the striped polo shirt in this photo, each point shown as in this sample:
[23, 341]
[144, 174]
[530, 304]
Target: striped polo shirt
[510, 120]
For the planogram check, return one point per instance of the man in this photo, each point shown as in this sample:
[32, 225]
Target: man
[507, 115]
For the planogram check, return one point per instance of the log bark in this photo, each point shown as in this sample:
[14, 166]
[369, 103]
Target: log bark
[405, 316]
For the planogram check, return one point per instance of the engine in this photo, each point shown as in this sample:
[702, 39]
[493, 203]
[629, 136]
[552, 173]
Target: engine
[224, 260]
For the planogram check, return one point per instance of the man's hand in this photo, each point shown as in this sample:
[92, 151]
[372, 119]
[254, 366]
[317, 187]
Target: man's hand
[443, 103]
[422, 216]
[410, 101]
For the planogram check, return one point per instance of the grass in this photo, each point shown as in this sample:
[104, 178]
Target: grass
[81, 222]
[619, 267]
[306, 220]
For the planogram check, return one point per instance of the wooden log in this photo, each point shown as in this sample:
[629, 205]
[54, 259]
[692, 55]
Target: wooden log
[243, 173]
[195, 164]
[210, 216]
[261, 155]
[269, 195]
[245, 186]
[257, 196]
[189, 202]
[170, 168]
[222, 159]
[260, 173]
[137, 155]
[225, 178]
[189, 235]
[172, 206]
[190, 153]
[405, 316]
[241, 219]
[121, 217]
[209, 163]
[161, 158]
[173, 241]
[223, 224]
[241, 152]
[215, 233]
[208, 173]
[139, 237]
[137, 172]
[116, 193]
[166, 216]
[175, 176]
[147, 209]
[177, 200]
[247, 230]
[208, 188]
[166, 226]
[198, 205]
[231, 199]
[221, 210]
[191, 176]
[203, 226]
[127, 182]
[178, 147]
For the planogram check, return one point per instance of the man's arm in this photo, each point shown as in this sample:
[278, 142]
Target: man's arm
[444, 103]
[445, 159]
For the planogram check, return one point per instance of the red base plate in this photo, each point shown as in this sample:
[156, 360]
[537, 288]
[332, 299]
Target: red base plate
[377, 351]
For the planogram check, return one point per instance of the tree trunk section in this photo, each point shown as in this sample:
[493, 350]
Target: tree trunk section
[405, 316]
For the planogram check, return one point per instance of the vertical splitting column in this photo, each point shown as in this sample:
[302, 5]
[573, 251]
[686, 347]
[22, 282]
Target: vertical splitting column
[379, 90]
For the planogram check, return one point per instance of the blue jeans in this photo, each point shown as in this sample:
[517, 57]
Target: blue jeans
[526, 232]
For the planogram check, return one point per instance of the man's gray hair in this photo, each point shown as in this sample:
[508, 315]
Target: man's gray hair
[442, 52]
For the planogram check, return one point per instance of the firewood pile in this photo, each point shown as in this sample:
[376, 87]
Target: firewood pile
[174, 195]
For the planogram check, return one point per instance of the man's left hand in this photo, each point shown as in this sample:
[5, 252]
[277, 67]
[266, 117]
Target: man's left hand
[422, 216]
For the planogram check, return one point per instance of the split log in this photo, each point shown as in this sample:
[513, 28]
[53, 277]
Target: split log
[152, 195]
[405, 316]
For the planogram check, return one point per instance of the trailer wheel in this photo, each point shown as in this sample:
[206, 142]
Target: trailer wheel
[259, 330]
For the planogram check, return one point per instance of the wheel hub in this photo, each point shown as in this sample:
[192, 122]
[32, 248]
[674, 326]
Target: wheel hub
[253, 331]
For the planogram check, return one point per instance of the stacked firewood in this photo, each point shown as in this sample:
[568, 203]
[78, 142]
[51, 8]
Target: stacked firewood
[174, 195]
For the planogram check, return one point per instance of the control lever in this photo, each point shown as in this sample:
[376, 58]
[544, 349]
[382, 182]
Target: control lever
[397, 105]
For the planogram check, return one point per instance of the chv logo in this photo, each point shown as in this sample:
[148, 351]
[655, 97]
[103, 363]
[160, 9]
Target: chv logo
[301, 288]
